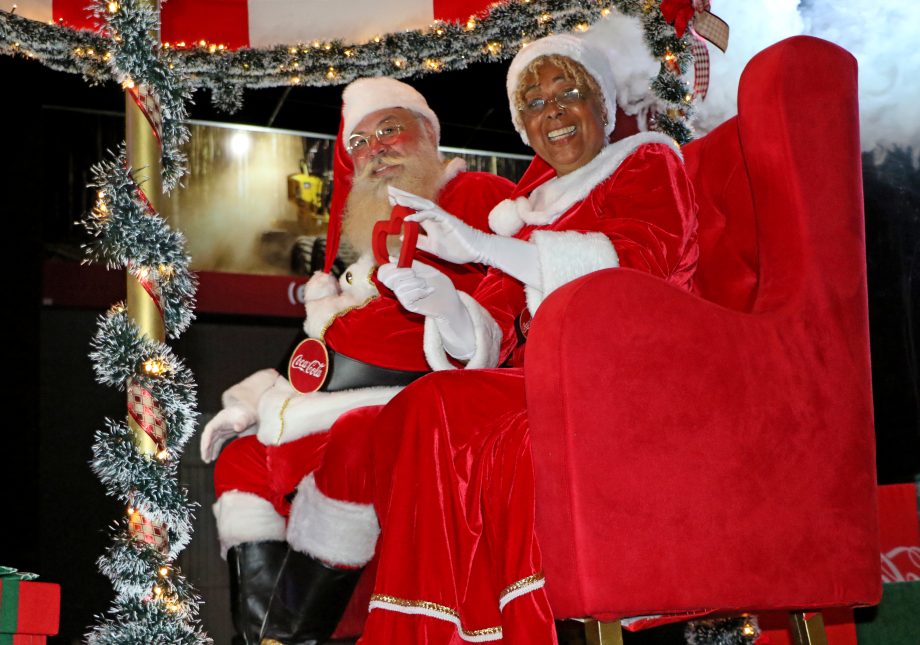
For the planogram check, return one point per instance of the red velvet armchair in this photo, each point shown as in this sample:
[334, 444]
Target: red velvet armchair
[715, 450]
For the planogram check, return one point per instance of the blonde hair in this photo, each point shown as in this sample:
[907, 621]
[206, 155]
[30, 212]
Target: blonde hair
[573, 70]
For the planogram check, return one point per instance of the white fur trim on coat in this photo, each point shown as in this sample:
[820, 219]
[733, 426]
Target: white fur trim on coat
[565, 256]
[334, 531]
[245, 517]
[551, 199]
[487, 333]
[321, 311]
[453, 168]
[306, 414]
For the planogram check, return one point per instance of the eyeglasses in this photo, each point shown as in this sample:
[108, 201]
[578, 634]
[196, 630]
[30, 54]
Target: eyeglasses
[563, 99]
[386, 133]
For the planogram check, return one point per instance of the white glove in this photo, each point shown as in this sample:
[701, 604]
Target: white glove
[453, 240]
[238, 416]
[425, 290]
[235, 421]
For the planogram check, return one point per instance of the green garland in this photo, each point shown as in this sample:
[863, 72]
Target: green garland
[439, 47]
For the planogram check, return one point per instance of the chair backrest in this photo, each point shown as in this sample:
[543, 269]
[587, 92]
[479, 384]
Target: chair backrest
[728, 269]
[716, 450]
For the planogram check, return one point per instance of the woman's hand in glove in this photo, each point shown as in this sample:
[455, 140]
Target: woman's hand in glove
[455, 241]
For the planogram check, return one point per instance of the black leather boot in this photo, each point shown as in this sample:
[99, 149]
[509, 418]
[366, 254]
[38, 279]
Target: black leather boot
[312, 596]
[254, 569]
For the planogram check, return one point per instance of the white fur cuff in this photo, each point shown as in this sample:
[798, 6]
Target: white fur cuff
[565, 256]
[488, 339]
[245, 517]
[325, 300]
[247, 392]
[306, 414]
[334, 531]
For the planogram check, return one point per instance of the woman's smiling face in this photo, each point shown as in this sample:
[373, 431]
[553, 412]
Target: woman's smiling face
[568, 131]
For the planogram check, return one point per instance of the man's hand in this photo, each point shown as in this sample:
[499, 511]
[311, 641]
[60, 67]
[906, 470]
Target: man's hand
[425, 290]
[233, 421]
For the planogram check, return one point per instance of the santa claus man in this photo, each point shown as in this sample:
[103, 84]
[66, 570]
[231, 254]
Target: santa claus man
[389, 136]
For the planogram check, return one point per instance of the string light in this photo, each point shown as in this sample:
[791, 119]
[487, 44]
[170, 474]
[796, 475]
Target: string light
[154, 367]
[331, 73]
[164, 571]
[113, 7]
[582, 26]
[127, 84]
[494, 48]
[471, 23]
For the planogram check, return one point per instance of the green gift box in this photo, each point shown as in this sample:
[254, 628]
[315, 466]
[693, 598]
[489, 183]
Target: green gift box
[27, 607]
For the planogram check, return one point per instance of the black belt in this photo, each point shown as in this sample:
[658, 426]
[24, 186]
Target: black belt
[346, 373]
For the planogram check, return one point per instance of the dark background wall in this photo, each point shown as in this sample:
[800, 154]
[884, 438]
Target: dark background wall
[55, 513]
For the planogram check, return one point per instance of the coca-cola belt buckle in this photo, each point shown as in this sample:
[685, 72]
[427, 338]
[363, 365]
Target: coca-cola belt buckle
[309, 366]
[394, 226]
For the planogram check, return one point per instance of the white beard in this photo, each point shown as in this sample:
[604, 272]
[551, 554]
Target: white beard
[367, 202]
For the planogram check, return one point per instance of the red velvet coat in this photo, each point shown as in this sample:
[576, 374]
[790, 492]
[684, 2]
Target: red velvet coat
[453, 482]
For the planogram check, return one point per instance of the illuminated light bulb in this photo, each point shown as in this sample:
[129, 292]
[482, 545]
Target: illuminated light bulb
[331, 73]
[582, 26]
[327, 46]
[544, 17]
[154, 367]
[434, 65]
[295, 65]
[471, 23]
[91, 52]
[222, 47]
[157, 590]
[605, 11]
[399, 62]
[171, 66]
[130, 510]
[747, 629]
[439, 31]
[107, 56]
[245, 65]
[181, 43]
[212, 48]
[670, 57]
[494, 48]
[292, 50]
[127, 84]
[163, 455]
[376, 39]
[349, 53]
[316, 44]
[202, 43]
[112, 7]
[295, 80]
[78, 51]
[166, 45]
[164, 571]
[688, 98]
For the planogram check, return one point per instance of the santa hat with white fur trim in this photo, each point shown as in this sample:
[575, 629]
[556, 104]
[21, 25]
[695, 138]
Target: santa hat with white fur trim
[613, 52]
[367, 95]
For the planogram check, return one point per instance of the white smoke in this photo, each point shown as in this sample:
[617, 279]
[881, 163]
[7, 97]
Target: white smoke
[882, 36]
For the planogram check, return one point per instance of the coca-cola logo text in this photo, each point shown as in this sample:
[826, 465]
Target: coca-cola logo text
[312, 368]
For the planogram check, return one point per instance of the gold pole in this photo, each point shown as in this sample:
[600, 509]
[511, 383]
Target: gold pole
[808, 631]
[143, 156]
[599, 633]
